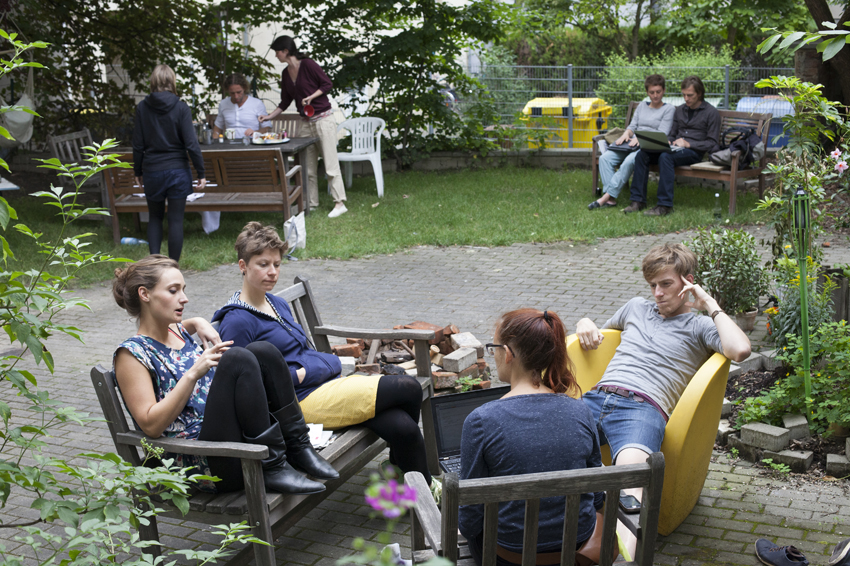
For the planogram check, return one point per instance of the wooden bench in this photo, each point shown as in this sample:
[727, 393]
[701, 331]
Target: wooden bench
[438, 527]
[728, 119]
[270, 514]
[251, 180]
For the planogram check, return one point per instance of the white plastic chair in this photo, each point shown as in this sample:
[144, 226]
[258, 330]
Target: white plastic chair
[365, 146]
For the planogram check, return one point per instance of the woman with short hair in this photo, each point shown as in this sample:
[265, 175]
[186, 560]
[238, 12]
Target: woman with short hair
[389, 405]
[162, 136]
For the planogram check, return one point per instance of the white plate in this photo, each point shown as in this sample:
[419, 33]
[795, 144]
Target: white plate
[260, 141]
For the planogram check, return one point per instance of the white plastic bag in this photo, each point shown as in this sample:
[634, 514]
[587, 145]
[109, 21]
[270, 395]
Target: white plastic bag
[296, 232]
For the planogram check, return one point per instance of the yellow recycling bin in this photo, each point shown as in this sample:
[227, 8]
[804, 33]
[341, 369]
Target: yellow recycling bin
[590, 117]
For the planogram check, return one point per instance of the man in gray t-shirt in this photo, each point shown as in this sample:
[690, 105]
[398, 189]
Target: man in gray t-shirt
[662, 345]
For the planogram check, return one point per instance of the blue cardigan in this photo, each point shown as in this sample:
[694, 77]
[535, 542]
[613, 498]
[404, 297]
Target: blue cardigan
[244, 324]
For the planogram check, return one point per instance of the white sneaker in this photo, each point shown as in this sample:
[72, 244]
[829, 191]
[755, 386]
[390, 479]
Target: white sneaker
[337, 211]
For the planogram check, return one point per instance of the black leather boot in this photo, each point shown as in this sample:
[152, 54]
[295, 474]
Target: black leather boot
[278, 475]
[299, 452]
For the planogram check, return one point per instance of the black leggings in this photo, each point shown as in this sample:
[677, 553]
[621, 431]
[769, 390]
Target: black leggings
[249, 384]
[396, 420]
[176, 208]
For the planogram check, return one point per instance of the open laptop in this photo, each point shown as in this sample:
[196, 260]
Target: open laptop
[449, 412]
[655, 141]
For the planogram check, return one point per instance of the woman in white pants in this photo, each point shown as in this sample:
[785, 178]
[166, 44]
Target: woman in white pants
[304, 82]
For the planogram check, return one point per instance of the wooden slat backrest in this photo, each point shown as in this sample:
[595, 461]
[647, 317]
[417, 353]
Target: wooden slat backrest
[290, 123]
[312, 318]
[123, 182]
[761, 122]
[68, 148]
[258, 171]
[107, 394]
[630, 112]
[534, 487]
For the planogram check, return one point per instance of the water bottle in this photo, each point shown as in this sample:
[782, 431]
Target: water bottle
[133, 241]
[718, 212]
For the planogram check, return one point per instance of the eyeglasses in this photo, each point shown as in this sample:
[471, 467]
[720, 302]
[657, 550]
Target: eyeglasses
[491, 348]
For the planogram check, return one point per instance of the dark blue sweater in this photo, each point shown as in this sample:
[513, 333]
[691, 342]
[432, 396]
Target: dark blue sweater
[524, 435]
[244, 324]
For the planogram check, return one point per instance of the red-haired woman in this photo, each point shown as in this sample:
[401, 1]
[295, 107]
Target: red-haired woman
[536, 427]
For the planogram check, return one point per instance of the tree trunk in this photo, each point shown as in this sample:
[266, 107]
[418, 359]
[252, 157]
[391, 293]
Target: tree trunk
[841, 62]
[636, 30]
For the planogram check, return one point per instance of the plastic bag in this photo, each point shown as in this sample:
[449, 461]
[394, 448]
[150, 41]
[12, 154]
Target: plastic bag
[296, 232]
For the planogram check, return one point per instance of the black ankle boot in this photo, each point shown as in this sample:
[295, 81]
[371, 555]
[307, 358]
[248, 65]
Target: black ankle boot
[278, 475]
[299, 452]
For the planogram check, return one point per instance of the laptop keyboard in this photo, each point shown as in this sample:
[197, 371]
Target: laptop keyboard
[451, 465]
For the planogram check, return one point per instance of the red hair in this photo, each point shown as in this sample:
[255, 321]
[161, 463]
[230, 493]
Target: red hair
[538, 339]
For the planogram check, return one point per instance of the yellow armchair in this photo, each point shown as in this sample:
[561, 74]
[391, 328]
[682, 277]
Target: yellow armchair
[690, 432]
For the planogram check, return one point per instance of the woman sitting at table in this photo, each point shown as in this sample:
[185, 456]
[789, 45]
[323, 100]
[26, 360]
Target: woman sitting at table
[241, 111]
[389, 405]
[172, 386]
[304, 82]
[535, 427]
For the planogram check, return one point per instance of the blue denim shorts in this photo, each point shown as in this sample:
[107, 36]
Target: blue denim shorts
[625, 423]
[168, 184]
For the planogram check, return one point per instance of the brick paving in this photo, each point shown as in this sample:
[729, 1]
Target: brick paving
[469, 287]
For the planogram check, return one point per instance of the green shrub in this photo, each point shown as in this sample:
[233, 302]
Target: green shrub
[622, 79]
[784, 320]
[729, 268]
[830, 351]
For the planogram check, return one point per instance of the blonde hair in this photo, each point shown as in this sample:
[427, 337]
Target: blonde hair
[163, 80]
[144, 273]
[255, 239]
[660, 257]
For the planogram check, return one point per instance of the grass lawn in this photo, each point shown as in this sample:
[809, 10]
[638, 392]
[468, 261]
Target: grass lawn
[493, 207]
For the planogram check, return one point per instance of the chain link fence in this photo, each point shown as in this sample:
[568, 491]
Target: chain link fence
[570, 119]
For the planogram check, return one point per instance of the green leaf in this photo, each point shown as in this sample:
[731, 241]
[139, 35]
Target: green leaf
[791, 39]
[830, 25]
[768, 43]
[832, 50]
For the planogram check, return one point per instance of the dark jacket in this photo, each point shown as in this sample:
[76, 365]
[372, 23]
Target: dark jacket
[162, 134]
[310, 78]
[702, 131]
[244, 324]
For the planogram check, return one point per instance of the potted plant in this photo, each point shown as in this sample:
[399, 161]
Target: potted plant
[729, 269]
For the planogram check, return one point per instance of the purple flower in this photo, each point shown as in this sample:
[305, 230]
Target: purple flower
[390, 498]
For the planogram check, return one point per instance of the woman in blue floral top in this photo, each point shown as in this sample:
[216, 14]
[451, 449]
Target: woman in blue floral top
[174, 387]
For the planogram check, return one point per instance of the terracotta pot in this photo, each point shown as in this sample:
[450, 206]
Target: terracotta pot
[746, 320]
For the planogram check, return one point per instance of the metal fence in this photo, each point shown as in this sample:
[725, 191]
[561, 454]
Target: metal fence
[573, 121]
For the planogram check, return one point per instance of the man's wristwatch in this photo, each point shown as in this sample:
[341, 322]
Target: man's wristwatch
[715, 313]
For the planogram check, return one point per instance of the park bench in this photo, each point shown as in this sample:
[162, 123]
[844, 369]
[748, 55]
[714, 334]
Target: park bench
[728, 119]
[689, 435]
[269, 514]
[438, 527]
[249, 180]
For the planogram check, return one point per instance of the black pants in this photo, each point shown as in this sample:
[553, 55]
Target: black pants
[397, 407]
[249, 384]
[476, 550]
[176, 209]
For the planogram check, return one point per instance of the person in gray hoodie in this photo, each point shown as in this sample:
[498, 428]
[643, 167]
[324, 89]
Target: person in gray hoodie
[162, 136]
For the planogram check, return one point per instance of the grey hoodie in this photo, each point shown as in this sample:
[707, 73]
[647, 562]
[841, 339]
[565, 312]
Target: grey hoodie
[162, 134]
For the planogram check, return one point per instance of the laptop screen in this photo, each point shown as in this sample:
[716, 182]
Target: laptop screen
[450, 411]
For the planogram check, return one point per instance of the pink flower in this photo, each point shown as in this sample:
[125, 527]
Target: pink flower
[841, 167]
[391, 498]
[835, 154]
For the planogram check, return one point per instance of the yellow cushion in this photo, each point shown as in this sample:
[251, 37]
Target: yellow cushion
[690, 432]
